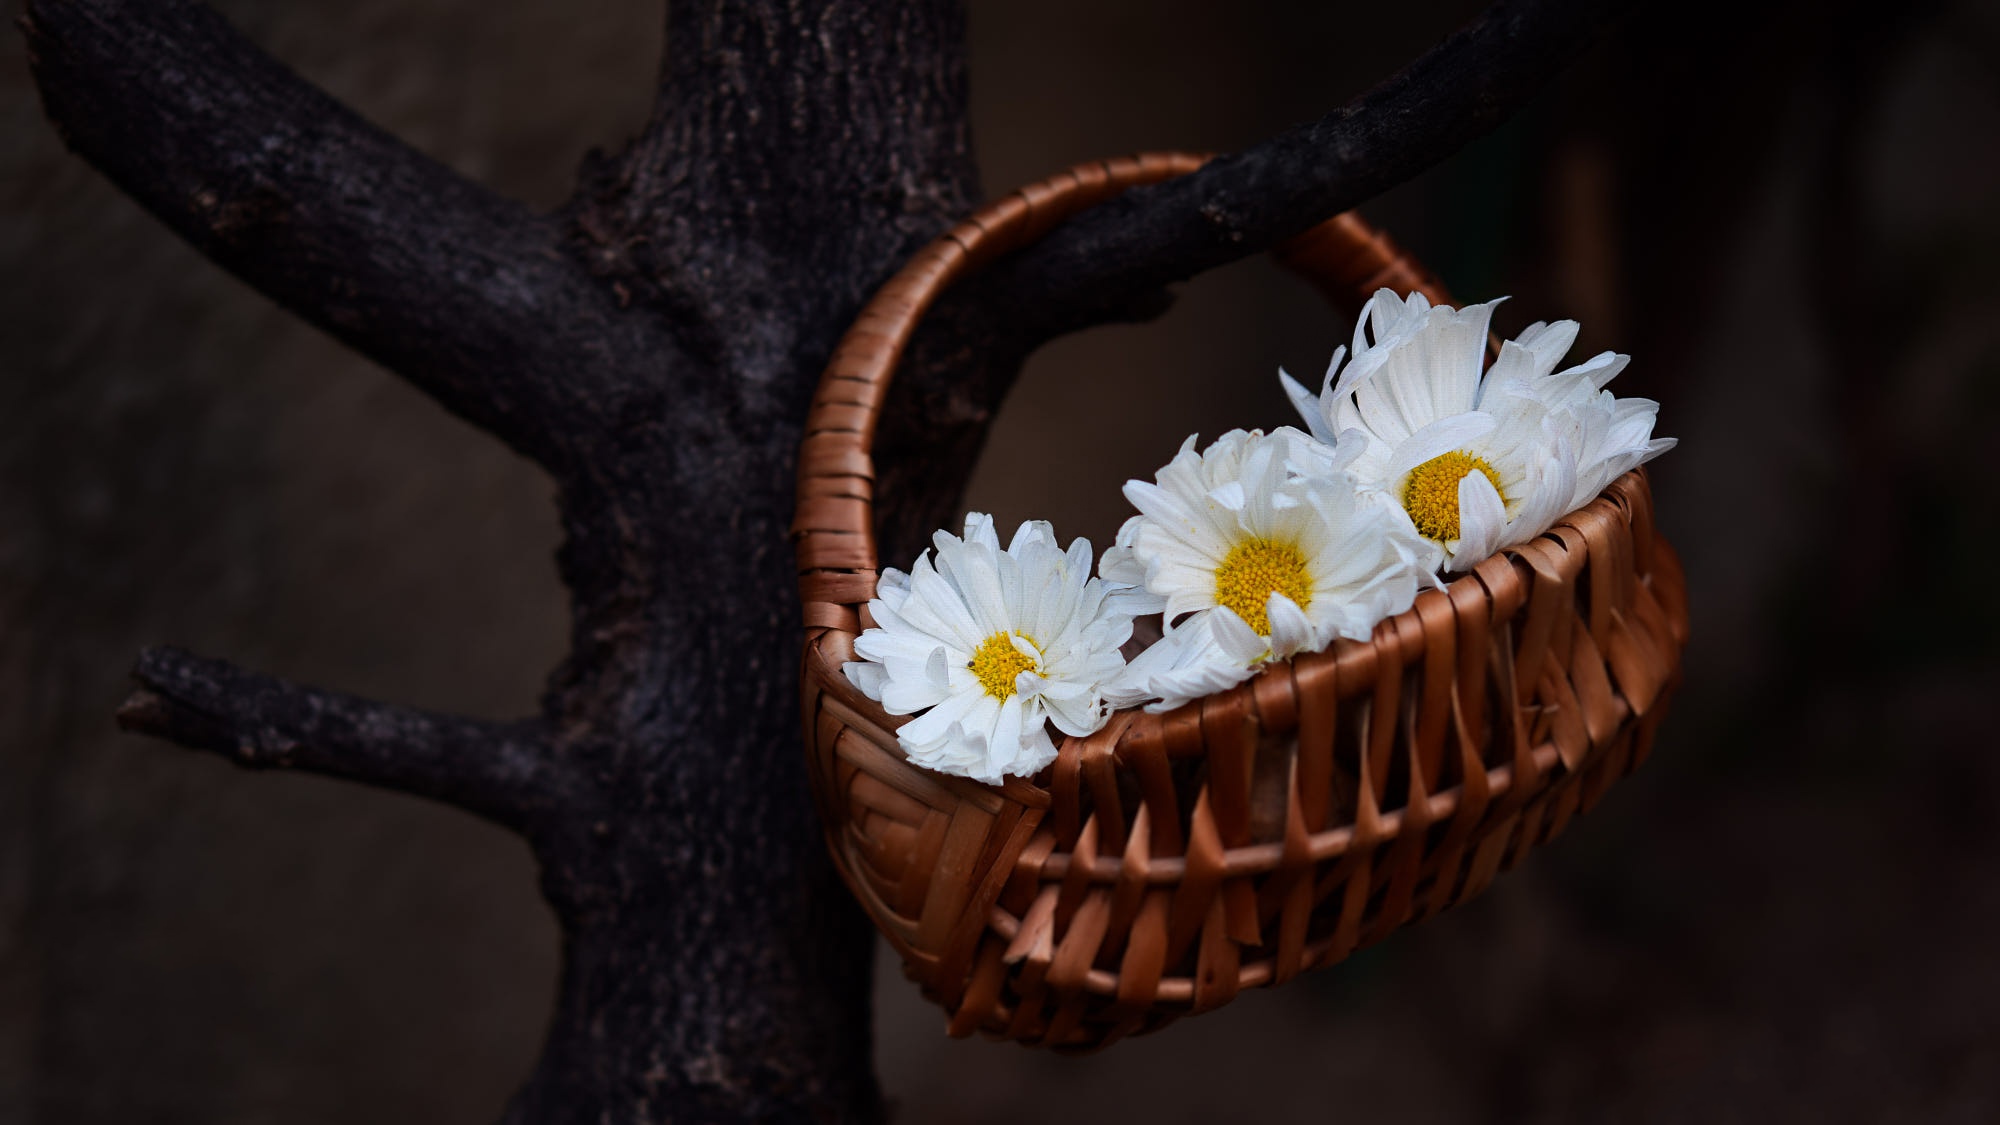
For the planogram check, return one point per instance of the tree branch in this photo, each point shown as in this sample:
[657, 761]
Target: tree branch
[464, 293]
[1116, 257]
[505, 772]
[1115, 261]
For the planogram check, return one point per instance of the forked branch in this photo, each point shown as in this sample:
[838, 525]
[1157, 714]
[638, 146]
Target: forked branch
[505, 772]
[463, 292]
[1112, 258]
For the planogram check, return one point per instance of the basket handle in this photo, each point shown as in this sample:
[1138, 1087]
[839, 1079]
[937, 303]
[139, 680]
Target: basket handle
[833, 525]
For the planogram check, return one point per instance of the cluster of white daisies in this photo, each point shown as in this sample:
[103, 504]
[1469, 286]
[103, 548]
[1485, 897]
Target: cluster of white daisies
[1257, 548]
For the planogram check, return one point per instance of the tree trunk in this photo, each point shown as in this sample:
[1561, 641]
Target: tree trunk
[797, 157]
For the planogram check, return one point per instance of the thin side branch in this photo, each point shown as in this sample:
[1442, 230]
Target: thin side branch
[1111, 260]
[465, 293]
[505, 772]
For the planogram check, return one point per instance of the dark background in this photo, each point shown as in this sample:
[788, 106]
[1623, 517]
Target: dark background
[1787, 214]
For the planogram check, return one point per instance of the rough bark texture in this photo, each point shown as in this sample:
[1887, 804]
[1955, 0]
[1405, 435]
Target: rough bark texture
[653, 345]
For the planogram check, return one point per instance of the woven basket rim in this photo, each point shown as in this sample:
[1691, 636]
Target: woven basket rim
[1551, 553]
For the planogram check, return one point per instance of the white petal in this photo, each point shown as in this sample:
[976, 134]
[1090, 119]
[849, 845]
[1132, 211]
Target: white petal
[1031, 531]
[1229, 494]
[1457, 431]
[1235, 637]
[1549, 343]
[866, 677]
[1316, 418]
[1599, 369]
[1079, 716]
[1120, 565]
[1183, 665]
[933, 724]
[979, 530]
[1291, 630]
[1552, 484]
[909, 695]
[1481, 520]
[1005, 745]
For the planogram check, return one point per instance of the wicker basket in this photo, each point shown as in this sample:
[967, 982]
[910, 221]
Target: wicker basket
[1169, 861]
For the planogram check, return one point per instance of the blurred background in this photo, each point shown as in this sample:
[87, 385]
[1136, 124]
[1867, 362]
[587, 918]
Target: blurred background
[1787, 214]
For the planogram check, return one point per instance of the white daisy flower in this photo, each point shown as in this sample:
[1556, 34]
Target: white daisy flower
[1269, 562]
[993, 645]
[1474, 462]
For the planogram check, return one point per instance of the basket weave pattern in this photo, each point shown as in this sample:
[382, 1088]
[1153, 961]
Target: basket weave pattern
[1167, 862]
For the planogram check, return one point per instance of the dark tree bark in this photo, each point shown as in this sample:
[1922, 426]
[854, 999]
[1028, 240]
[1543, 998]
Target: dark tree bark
[654, 346]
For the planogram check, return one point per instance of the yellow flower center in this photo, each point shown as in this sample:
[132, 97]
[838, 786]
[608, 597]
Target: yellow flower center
[1431, 496]
[1255, 569]
[996, 662]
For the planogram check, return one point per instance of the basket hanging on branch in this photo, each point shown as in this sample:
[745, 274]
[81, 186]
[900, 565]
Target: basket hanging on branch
[1171, 858]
